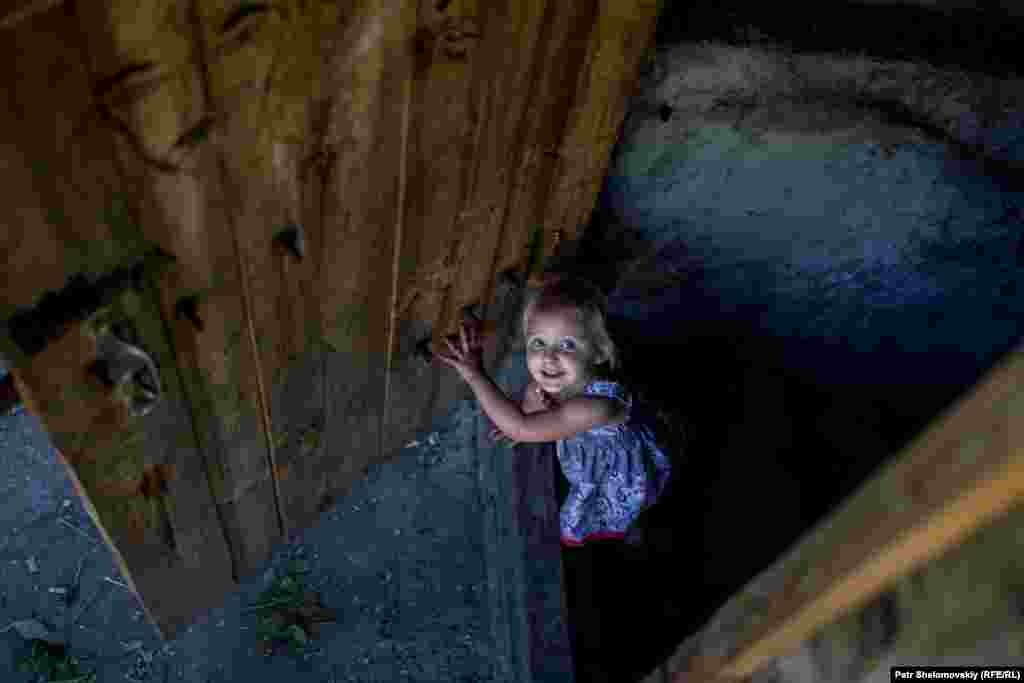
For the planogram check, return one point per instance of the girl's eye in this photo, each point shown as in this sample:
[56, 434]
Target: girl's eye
[566, 345]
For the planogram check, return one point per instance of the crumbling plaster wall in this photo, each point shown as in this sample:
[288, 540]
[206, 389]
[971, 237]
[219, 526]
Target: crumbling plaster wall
[843, 230]
[847, 205]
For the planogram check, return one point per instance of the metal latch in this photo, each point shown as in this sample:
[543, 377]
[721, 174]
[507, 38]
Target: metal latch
[121, 363]
[32, 330]
[130, 371]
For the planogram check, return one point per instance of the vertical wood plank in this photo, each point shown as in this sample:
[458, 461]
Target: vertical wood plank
[205, 127]
[241, 51]
[564, 34]
[605, 80]
[158, 536]
[149, 75]
[501, 94]
[363, 147]
[435, 238]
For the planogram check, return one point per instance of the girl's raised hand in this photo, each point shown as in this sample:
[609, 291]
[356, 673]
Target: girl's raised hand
[466, 354]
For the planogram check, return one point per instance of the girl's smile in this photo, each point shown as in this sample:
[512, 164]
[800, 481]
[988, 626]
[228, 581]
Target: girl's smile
[559, 354]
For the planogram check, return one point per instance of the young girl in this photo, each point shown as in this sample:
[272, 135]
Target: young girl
[614, 466]
[607, 451]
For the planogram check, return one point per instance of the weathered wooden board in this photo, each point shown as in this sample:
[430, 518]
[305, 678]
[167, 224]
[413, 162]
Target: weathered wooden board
[419, 145]
[91, 227]
[167, 146]
[515, 109]
[257, 144]
[962, 474]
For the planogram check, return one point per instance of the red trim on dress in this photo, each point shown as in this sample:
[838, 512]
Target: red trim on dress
[596, 536]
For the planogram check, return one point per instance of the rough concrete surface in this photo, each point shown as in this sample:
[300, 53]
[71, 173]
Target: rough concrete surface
[855, 216]
[402, 559]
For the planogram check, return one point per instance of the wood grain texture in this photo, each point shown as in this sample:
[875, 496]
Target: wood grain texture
[412, 144]
[620, 34]
[962, 473]
[182, 206]
[89, 225]
[364, 110]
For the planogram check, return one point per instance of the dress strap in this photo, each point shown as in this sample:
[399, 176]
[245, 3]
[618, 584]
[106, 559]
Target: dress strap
[610, 389]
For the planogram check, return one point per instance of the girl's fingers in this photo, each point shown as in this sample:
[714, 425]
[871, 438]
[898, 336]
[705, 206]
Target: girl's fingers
[464, 337]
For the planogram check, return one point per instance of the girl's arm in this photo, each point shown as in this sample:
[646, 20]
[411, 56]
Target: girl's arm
[568, 419]
[533, 402]
[560, 422]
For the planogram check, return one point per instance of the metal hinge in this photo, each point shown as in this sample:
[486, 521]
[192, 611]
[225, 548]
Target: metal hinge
[121, 363]
[32, 330]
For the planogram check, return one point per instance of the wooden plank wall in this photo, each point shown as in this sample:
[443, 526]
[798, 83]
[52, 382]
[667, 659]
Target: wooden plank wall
[417, 145]
[77, 211]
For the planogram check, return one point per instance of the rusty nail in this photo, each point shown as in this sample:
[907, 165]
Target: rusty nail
[511, 279]
[138, 277]
[423, 351]
[101, 370]
[293, 238]
[474, 312]
[188, 307]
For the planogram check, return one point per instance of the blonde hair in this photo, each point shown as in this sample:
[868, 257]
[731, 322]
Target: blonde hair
[590, 302]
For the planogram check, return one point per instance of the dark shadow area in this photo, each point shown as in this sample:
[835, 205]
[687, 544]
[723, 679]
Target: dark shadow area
[761, 452]
[972, 38]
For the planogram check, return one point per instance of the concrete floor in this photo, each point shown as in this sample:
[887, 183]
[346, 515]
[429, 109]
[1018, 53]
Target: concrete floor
[402, 558]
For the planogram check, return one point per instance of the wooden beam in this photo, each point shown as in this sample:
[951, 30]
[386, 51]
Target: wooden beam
[26, 10]
[963, 472]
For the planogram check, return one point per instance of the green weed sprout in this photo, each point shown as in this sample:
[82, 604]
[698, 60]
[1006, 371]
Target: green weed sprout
[53, 662]
[286, 591]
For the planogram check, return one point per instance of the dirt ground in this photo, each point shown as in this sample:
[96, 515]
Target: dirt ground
[402, 559]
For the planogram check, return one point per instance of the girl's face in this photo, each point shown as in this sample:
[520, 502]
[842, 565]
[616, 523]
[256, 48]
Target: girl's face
[559, 353]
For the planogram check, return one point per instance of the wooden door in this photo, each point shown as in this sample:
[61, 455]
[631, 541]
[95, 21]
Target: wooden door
[308, 190]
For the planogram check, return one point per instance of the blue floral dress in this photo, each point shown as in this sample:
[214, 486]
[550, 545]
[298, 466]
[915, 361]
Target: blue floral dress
[614, 471]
